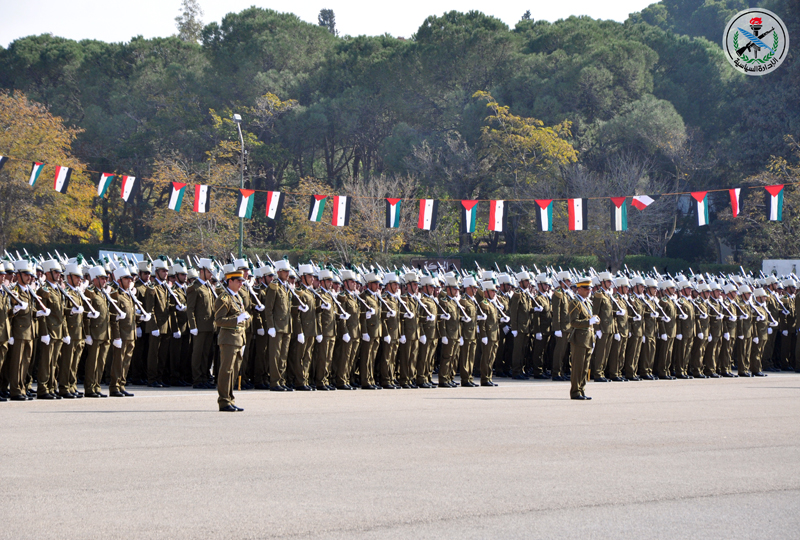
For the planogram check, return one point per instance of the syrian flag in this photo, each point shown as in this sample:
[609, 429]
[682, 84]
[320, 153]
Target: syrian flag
[393, 213]
[341, 211]
[469, 211]
[36, 170]
[497, 214]
[176, 197]
[3, 160]
[775, 202]
[642, 201]
[130, 185]
[578, 214]
[735, 200]
[202, 199]
[317, 207]
[428, 214]
[102, 185]
[61, 181]
[702, 207]
[274, 204]
[244, 205]
[545, 208]
[619, 214]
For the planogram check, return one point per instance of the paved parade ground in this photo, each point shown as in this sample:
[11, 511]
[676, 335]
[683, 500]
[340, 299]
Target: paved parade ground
[667, 459]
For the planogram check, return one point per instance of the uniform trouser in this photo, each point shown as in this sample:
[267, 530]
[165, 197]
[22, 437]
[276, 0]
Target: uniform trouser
[20, 359]
[241, 367]
[201, 354]
[743, 347]
[386, 360]
[158, 357]
[711, 354]
[726, 354]
[787, 349]
[261, 363]
[505, 352]
[424, 369]
[647, 357]
[46, 372]
[616, 357]
[229, 357]
[682, 350]
[3, 353]
[664, 356]
[68, 367]
[95, 363]
[539, 352]
[139, 361]
[179, 356]
[633, 351]
[341, 360]
[301, 360]
[756, 355]
[520, 348]
[466, 359]
[767, 361]
[407, 359]
[323, 355]
[581, 358]
[602, 349]
[488, 354]
[559, 354]
[277, 353]
[369, 349]
[120, 365]
[447, 361]
[698, 354]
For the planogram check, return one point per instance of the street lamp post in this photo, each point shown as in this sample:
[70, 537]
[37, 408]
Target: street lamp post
[238, 119]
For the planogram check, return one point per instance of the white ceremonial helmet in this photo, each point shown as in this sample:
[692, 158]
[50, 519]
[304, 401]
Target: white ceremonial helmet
[97, 271]
[51, 265]
[121, 273]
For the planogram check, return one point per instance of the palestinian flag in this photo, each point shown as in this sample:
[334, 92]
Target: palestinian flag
[61, 181]
[619, 214]
[176, 197]
[130, 185]
[393, 213]
[642, 201]
[36, 170]
[244, 205]
[428, 214]
[317, 207]
[103, 183]
[702, 207]
[545, 210]
[274, 204]
[341, 211]
[202, 199]
[775, 202]
[3, 160]
[469, 211]
[734, 193]
[578, 214]
[497, 214]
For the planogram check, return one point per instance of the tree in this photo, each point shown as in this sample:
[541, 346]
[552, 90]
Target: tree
[189, 23]
[327, 19]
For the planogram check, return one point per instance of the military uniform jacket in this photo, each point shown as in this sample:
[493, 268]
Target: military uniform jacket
[277, 312]
[636, 328]
[745, 326]
[254, 322]
[304, 322]
[787, 316]
[371, 326]
[126, 328]
[5, 307]
[651, 322]
[760, 327]
[582, 333]
[560, 308]
[490, 328]
[542, 321]
[731, 325]
[603, 307]
[429, 328]
[54, 324]
[74, 323]
[391, 325]
[450, 328]
[716, 322]
[200, 307]
[156, 302]
[326, 318]
[352, 325]
[100, 328]
[701, 325]
[469, 329]
[519, 309]
[227, 308]
[621, 321]
[411, 325]
[685, 326]
[22, 321]
[669, 328]
[179, 320]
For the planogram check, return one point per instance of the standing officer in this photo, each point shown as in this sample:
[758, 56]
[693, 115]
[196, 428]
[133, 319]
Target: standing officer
[542, 326]
[581, 338]
[744, 332]
[490, 332]
[519, 310]
[616, 356]
[277, 317]
[72, 348]
[98, 337]
[636, 339]
[761, 328]
[52, 330]
[304, 327]
[349, 331]
[651, 320]
[390, 332]
[715, 329]
[685, 331]
[450, 332]
[667, 328]
[725, 365]
[469, 331]
[561, 300]
[140, 350]
[788, 320]
[157, 302]
[429, 336]
[179, 345]
[409, 339]
[230, 317]
[123, 334]
[702, 331]
[200, 298]
[327, 314]
[603, 308]
[24, 314]
[371, 331]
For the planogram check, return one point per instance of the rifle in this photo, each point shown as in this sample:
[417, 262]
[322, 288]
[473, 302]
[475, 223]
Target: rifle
[740, 51]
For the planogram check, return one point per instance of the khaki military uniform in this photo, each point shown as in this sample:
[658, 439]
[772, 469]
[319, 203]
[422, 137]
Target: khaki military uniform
[277, 315]
[71, 352]
[100, 329]
[24, 333]
[227, 308]
[702, 337]
[125, 331]
[716, 326]
[603, 307]
[156, 302]
[303, 323]
[200, 298]
[347, 350]
[561, 300]
[371, 332]
[682, 348]
[327, 315]
[55, 326]
[636, 339]
[410, 330]
[449, 328]
[427, 328]
[729, 337]
[388, 352]
[744, 338]
[616, 356]
[651, 317]
[582, 342]
[489, 337]
[519, 310]
[541, 332]
[760, 335]
[469, 333]
[664, 346]
[180, 357]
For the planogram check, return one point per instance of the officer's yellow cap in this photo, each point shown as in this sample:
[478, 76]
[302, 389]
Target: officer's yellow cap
[584, 282]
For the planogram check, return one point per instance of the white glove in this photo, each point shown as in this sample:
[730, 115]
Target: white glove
[617, 337]
[654, 314]
[77, 310]
[121, 316]
[461, 341]
[485, 340]
[117, 343]
[538, 309]
[66, 340]
[408, 315]
[682, 317]
[302, 307]
[558, 334]
[346, 337]
[430, 318]
[538, 337]
[365, 337]
[242, 351]
[741, 337]
[387, 339]
[703, 316]
[10, 340]
[466, 319]
[666, 319]
[732, 318]
[481, 317]
[391, 314]
[760, 318]
[194, 332]
[594, 320]
[620, 313]
[368, 316]
[145, 317]
[506, 329]
[727, 336]
[319, 338]
[261, 332]
[138, 332]
[514, 333]
[272, 332]
[785, 333]
[46, 339]
[710, 339]
[663, 337]
[156, 333]
[699, 335]
[769, 331]
[743, 317]
[637, 318]
[403, 339]
[45, 313]
[371, 312]
[242, 317]
[423, 339]
[20, 307]
[505, 319]
[301, 338]
[599, 334]
[755, 340]
[259, 307]
[326, 306]
[176, 335]
[180, 307]
[89, 340]
[445, 316]
[679, 337]
[445, 341]
[644, 339]
[719, 317]
[344, 316]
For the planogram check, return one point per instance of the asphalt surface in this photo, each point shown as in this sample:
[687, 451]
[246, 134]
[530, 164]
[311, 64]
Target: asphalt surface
[666, 459]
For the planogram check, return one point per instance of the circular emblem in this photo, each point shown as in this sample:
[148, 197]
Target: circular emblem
[755, 41]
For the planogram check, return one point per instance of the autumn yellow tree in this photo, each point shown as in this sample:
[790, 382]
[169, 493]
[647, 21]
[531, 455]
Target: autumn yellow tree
[28, 132]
